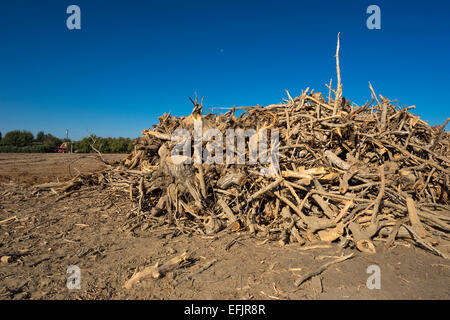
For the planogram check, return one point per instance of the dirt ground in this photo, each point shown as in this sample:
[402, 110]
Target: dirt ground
[47, 233]
[36, 168]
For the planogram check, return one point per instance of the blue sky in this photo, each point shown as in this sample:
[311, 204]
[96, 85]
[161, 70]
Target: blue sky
[134, 60]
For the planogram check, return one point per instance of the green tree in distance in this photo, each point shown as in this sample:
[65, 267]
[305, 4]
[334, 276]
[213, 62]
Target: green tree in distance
[23, 141]
[17, 138]
[40, 136]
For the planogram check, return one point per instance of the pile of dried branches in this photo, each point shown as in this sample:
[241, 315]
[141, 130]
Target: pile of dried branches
[346, 173]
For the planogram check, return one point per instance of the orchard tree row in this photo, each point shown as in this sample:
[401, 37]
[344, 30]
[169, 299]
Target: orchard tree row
[25, 142]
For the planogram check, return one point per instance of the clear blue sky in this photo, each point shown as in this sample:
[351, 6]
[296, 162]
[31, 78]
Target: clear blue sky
[134, 60]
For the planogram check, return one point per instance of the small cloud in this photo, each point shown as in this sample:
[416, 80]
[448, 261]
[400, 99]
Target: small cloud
[221, 50]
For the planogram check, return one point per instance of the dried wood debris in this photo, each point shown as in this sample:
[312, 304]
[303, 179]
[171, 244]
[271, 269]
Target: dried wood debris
[345, 172]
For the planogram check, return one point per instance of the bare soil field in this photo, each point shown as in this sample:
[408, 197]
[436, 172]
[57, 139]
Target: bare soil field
[35, 168]
[44, 233]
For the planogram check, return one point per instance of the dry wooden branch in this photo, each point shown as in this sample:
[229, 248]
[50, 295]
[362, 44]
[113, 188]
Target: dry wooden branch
[321, 269]
[8, 219]
[425, 243]
[157, 270]
[415, 221]
[338, 162]
[380, 194]
[265, 189]
[338, 98]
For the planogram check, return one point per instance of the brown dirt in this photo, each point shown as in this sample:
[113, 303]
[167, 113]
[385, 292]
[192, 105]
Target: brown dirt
[84, 229]
[35, 168]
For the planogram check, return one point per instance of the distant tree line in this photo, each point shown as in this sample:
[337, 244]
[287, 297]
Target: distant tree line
[25, 142]
[105, 145]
